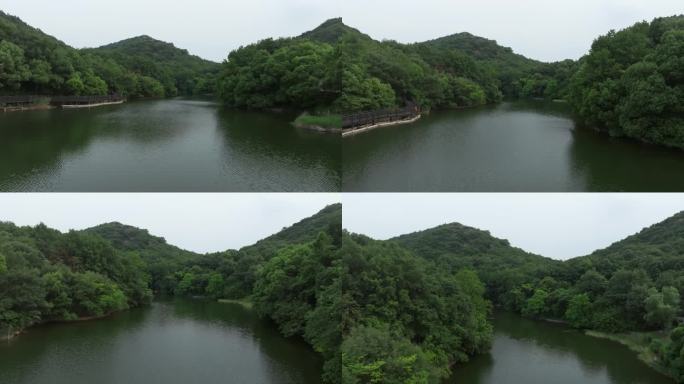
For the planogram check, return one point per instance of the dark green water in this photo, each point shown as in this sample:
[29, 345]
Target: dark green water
[165, 145]
[533, 352]
[168, 342]
[511, 147]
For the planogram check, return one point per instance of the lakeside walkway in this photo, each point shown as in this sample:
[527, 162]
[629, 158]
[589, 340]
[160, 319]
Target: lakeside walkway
[29, 102]
[356, 123]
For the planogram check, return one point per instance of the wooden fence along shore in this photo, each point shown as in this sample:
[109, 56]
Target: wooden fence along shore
[359, 122]
[24, 102]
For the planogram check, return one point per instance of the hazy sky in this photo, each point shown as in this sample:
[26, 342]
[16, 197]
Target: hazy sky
[196, 222]
[560, 226]
[542, 29]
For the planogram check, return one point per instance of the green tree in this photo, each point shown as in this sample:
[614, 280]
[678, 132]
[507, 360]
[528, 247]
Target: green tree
[662, 307]
[373, 355]
[215, 286]
[536, 305]
[75, 85]
[13, 68]
[592, 282]
[579, 312]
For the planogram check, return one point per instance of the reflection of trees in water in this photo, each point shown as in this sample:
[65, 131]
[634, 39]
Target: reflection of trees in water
[44, 345]
[544, 107]
[272, 134]
[292, 352]
[267, 142]
[615, 164]
[594, 355]
[34, 145]
[35, 141]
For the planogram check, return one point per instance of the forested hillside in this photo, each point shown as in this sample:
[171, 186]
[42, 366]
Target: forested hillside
[179, 72]
[338, 68]
[33, 62]
[46, 275]
[500, 266]
[405, 319]
[292, 277]
[632, 83]
[634, 285]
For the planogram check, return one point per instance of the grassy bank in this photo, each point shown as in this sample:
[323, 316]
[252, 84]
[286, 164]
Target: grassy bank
[323, 122]
[244, 302]
[639, 342]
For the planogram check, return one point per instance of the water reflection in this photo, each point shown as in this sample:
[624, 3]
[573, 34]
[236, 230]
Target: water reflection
[168, 342]
[163, 145]
[526, 146]
[526, 351]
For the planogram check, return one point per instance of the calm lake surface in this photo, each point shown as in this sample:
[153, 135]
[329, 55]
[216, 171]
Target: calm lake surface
[168, 342]
[164, 145]
[525, 146]
[533, 352]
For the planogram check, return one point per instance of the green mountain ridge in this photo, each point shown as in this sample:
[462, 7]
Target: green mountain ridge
[632, 286]
[35, 62]
[333, 30]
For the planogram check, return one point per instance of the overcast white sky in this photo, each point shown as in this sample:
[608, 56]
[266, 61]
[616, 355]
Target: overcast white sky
[560, 226]
[546, 30]
[196, 222]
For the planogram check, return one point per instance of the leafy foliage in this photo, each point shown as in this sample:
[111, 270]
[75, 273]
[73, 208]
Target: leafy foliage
[34, 62]
[632, 84]
[49, 276]
[633, 285]
[432, 316]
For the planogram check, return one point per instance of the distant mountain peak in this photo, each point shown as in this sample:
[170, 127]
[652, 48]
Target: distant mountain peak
[332, 30]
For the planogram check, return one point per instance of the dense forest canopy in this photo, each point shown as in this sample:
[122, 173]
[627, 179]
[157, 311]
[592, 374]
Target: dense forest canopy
[633, 285]
[46, 275]
[341, 69]
[632, 83]
[179, 72]
[404, 320]
[401, 310]
[32, 62]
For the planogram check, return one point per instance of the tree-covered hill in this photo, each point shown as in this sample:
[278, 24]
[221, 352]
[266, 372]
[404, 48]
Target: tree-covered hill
[337, 68]
[500, 266]
[34, 62]
[327, 220]
[177, 70]
[658, 250]
[129, 238]
[633, 285]
[405, 319]
[632, 83]
[47, 275]
[332, 31]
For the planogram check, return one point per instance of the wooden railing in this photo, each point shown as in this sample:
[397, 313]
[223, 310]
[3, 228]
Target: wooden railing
[22, 100]
[14, 101]
[84, 100]
[358, 120]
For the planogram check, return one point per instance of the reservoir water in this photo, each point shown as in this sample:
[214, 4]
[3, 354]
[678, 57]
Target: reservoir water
[525, 146]
[180, 341]
[171, 145]
[535, 352]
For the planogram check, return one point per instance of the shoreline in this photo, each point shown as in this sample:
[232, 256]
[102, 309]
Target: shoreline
[84, 106]
[36, 107]
[367, 128]
[642, 350]
[637, 342]
[317, 128]
[16, 333]
[243, 302]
